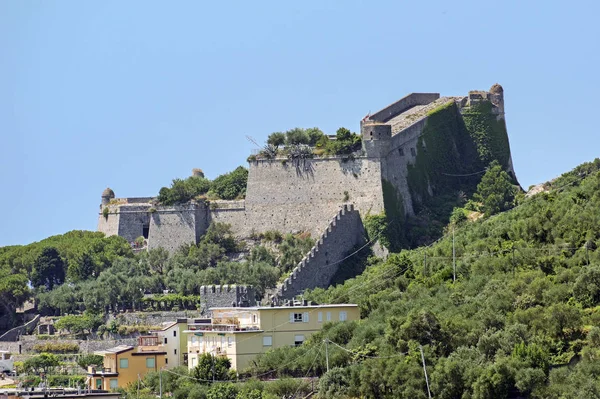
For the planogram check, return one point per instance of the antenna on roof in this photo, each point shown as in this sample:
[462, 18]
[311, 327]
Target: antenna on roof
[251, 139]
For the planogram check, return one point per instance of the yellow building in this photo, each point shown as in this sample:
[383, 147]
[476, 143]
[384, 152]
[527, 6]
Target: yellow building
[125, 364]
[243, 333]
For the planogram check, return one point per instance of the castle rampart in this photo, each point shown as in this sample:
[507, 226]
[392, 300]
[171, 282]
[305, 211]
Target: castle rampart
[286, 197]
[293, 196]
[343, 234]
[402, 105]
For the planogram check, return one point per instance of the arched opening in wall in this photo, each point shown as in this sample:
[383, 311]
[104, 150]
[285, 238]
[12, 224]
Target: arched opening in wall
[145, 231]
[413, 152]
[401, 152]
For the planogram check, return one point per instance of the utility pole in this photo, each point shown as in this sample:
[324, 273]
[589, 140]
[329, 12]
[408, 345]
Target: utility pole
[160, 382]
[587, 253]
[453, 258]
[425, 370]
[327, 353]
[213, 367]
[513, 261]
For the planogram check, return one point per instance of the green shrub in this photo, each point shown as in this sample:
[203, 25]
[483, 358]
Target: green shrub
[56, 347]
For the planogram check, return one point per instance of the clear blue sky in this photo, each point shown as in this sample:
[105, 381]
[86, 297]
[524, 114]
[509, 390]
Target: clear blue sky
[130, 94]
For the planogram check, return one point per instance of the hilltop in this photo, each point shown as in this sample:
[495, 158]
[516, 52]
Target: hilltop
[520, 320]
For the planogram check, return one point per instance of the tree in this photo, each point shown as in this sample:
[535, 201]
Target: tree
[495, 191]
[211, 368]
[231, 185]
[81, 268]
[276, 139]
[43, 363]
[587, 287]
[296, 136]
[314, 135]
[48, 269]
[90, 360]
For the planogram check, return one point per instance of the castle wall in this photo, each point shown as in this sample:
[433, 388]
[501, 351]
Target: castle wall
[232, 213]
[212, 296]
[402, 152]
[171, 227]
[343, 234]
[132, 219]
[288, 198]
[403, 104]
[109, 225]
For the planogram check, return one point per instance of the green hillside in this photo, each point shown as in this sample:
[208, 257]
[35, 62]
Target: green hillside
[521, 319]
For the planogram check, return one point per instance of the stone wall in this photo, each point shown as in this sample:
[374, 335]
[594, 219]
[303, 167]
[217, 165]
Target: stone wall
[25, 346]
[132, 219]
[403, 104]
[286, 197]
[153, 318]
[344, 233]
[232, 213]
[172, 227]
[226, 295]
[401, 153]
[15, 333]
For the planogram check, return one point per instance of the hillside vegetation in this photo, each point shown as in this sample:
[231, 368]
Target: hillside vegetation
[521, 319]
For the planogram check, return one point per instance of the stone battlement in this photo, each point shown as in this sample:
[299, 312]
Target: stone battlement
[322, 262]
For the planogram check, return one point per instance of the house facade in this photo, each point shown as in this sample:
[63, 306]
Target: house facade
[242, 334]
[125, 364]
[172, 338]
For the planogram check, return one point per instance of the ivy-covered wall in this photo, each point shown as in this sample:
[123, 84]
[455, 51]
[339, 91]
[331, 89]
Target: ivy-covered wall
[488, 132]
[445, 149]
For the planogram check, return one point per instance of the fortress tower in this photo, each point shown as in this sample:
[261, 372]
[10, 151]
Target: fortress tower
[376, 138]
[107, 195]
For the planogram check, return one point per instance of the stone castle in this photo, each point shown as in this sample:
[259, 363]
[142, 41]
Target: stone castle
[326, 196]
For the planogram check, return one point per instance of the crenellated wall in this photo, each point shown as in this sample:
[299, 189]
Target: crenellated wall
[226, 295]
[343, 234]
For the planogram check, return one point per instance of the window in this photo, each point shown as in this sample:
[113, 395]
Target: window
[174, 351]
[298, 340]
[123, 363]
[401, 152]
[114, 384]
[194, 361]
[320, 317]
[343, 316]
[253, 319]
[166, 360]
[194, 339]
[165, 340]
[267, 340]
[413, 152]
[229, 342]
[175, 333]
[98, 383]
[150, 363]
[305, 317]
[328, 316]
[295, 317]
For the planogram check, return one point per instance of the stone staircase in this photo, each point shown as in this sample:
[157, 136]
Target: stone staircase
[344, 233]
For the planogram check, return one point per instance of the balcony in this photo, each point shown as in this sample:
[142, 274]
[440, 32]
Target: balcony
[101, 371]
[202, 327]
